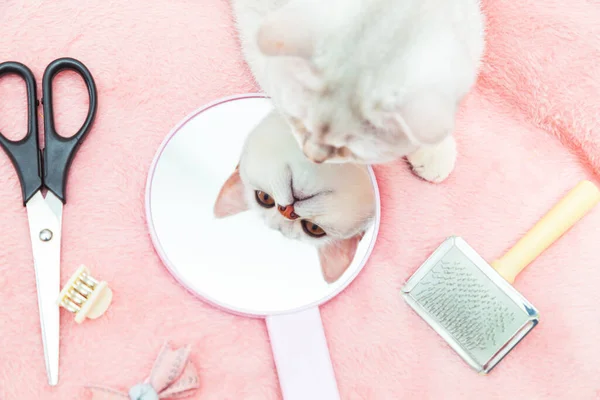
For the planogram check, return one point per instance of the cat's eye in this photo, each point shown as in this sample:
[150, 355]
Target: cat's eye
[312, 229]
[264, 199]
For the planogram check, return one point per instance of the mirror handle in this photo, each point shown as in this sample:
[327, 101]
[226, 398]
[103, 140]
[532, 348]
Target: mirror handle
[302, 356]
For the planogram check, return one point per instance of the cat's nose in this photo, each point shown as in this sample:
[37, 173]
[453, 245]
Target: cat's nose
[316, 154]
[316, 160]
[288, 212]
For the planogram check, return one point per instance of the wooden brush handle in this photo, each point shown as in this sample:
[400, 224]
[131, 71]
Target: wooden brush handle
[577, 203]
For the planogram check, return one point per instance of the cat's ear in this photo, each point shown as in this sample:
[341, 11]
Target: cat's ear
[288, 31]
[426, 118]
[336, 257]
[231, 199]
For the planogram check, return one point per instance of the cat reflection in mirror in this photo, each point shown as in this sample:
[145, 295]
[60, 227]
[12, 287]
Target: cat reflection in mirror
[366, 81]
[329, 206]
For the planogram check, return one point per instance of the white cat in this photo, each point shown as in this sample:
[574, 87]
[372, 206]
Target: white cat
[366, 81]
[329, 206]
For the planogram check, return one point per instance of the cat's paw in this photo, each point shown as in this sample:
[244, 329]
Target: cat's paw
[434, 163]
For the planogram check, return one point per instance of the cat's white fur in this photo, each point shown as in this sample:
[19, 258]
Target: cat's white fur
[337, 197]
[366, 81]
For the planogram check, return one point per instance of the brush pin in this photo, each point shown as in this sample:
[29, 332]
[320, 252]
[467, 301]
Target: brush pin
[85, 296]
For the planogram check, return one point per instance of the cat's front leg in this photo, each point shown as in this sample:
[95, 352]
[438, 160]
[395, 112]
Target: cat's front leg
[434, 163]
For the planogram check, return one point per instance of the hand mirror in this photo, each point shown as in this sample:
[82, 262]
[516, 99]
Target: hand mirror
[244, 221]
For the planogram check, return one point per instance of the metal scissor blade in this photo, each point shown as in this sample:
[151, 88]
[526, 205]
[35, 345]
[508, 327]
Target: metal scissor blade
[45, 223]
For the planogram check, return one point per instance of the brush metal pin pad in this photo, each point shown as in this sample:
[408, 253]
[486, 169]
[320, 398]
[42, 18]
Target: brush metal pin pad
[479, 314]
[85, 296]
[472, 304]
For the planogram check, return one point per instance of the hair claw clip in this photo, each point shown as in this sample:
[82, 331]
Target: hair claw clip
[85, 296]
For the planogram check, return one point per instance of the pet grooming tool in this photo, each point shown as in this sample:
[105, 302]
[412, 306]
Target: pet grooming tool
[472, 305]
[85, 296]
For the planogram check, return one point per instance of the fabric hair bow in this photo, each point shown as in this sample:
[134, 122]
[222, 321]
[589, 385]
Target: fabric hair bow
[172, 377]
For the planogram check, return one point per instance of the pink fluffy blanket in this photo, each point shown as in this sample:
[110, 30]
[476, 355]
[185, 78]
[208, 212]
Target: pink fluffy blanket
[527, 134]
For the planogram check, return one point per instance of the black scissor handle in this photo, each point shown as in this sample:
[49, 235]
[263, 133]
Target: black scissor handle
[24, 153]
[59, 151]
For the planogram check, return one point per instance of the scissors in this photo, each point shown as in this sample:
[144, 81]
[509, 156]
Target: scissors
[46, 168]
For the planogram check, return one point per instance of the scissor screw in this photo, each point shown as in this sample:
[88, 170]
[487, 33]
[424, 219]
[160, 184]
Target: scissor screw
[46, 235]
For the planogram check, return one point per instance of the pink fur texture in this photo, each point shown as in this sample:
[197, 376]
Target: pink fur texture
[527, 134]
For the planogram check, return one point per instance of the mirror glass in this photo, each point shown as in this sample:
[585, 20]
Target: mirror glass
[241, 218]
